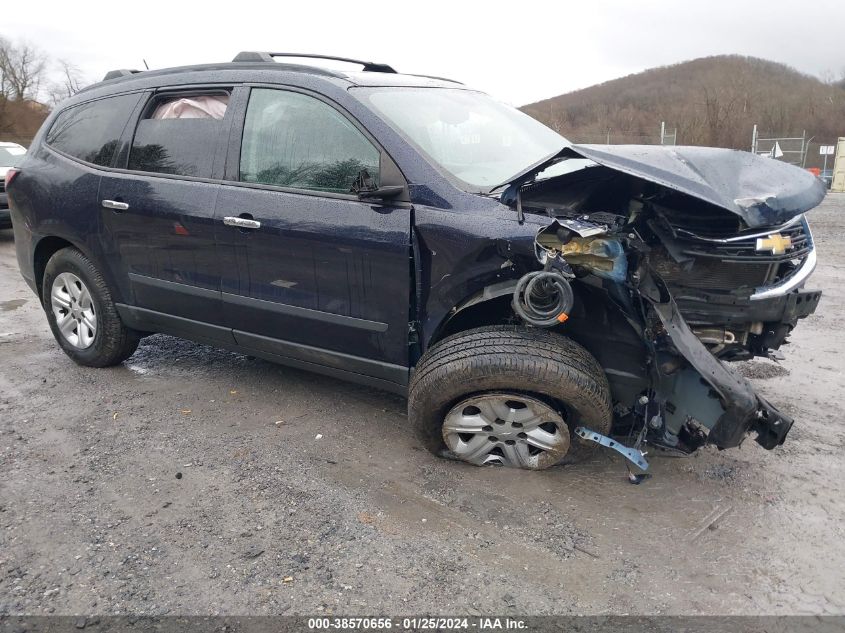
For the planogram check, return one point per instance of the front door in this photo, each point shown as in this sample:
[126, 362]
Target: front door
[310, 272]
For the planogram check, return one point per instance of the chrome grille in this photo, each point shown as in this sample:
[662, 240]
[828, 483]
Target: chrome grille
[719, 234]
[743, 247]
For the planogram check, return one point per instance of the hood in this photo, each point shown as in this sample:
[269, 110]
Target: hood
[762, 191]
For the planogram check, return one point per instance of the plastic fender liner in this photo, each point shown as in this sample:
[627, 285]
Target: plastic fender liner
[744, 409]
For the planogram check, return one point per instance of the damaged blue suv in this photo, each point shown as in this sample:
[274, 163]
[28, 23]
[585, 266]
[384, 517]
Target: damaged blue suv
[533, 298]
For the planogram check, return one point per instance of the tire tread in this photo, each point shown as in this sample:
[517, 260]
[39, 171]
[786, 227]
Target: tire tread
[508, 357]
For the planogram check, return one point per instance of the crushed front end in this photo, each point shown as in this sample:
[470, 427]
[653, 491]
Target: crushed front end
[739, 289]
[700, 267]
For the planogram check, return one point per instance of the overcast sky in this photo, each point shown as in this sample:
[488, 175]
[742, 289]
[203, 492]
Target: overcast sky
[520, 51]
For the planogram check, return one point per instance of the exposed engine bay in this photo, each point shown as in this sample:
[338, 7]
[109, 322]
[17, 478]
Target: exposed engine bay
[702, 252]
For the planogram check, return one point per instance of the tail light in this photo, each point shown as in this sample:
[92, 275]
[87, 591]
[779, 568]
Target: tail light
[10, 176]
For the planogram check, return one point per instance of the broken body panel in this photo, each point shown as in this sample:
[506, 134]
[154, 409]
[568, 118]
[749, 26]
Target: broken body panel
[679, 258]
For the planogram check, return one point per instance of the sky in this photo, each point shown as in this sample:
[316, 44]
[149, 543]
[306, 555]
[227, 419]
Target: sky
[519, 51]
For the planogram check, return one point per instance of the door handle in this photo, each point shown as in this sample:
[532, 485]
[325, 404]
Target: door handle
[241, 223]
[114, 204]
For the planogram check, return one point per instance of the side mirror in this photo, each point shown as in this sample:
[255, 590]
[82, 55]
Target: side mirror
[365, 188]
[381, 193]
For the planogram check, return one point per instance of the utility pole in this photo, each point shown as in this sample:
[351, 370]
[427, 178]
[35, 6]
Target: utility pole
[664, 137]
[805, 145]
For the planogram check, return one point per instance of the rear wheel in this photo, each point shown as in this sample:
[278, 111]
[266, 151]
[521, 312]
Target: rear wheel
[81, 312]
[508, 396]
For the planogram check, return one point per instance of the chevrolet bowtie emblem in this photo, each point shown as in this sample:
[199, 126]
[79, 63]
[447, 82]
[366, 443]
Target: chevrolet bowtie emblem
[776, 244]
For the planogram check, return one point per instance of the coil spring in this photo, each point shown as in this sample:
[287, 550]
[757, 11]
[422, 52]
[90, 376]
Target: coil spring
[543, 298]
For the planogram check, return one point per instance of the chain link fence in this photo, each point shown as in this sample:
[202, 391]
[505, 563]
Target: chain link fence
[614, 137]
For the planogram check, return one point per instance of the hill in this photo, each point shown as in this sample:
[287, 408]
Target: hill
[711, 101]
[20, 120]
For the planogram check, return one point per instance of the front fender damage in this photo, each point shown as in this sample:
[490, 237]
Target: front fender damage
[666, 252]
[689, 397]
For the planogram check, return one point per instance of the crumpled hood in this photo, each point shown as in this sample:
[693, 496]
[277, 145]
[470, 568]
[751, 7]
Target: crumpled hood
[762, 191]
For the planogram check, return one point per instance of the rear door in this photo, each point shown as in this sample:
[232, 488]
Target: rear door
[158, 210]
[83, 141]
[314, 274]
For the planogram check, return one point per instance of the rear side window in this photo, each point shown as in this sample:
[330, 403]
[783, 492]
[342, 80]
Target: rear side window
[179, 135]
[294, 140]
[91, 131]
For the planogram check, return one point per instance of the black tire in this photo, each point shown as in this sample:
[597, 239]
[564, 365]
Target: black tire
[534, 362]
[113, 341]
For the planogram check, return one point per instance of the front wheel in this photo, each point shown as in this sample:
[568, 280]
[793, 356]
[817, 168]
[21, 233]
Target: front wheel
[82, 314]
[508, 396]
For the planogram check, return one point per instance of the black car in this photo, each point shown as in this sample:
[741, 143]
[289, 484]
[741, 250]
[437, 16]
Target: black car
[533, 298]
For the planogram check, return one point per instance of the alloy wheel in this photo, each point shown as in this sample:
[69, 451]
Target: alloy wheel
[74, 310]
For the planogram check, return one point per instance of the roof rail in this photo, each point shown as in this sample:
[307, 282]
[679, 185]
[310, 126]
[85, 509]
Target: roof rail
[452, 81]
[258, 56]
[122, 72]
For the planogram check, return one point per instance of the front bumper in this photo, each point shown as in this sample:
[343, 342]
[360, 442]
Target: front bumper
[734, 283]
[742, 409]
[728, 310]
[762, 319]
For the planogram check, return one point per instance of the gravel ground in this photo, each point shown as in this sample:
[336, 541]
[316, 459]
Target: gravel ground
[197, 481]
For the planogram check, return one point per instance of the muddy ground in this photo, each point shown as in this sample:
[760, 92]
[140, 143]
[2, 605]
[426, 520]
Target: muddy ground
[197, 481]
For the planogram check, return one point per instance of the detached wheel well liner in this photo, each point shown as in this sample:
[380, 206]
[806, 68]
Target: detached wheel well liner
[492, 305]
[494, 311]
[594, 323]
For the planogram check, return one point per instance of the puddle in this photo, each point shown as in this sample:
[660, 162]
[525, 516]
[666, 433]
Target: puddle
[12, 304]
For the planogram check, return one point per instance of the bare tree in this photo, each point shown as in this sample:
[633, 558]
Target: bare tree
[558, 119]
[72, 81]
[833, 77]
[22, 69]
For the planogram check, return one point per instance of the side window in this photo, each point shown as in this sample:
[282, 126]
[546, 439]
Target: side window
[91, 131]
[179, 135]
[294, 140]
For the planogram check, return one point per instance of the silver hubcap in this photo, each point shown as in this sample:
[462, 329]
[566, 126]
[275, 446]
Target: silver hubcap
[506, 430]
[74, 310]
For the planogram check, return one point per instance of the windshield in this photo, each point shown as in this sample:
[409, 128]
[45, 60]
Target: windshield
[11, 156]
[476, 139]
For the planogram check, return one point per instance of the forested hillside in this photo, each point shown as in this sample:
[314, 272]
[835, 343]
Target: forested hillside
[711, 101]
